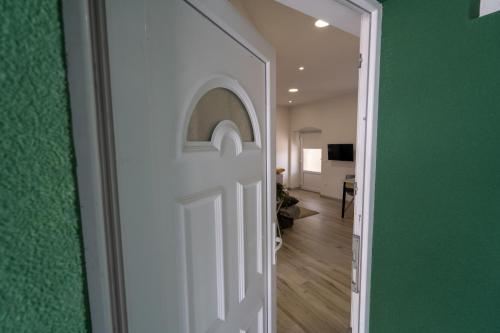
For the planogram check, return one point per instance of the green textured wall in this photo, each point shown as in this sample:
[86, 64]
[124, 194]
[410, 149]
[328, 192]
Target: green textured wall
[436, 254]
[42, 287]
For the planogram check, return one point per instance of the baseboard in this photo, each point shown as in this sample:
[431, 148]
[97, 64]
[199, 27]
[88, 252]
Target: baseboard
[320, 194]
[329, 197]
[309, 190]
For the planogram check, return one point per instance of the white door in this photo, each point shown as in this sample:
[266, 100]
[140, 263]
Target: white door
[311, 161]
[190, 103]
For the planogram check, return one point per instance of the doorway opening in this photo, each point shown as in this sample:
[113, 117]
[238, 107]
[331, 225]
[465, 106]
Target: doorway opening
[317, 71]
[311, 160]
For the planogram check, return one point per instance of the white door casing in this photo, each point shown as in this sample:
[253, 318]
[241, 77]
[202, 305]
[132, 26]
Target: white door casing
[366, 142]
[192, 213]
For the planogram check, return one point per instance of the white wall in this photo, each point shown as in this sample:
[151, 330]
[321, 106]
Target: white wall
[295, 176]
[336, 118]
[282, 141]
[238, 5]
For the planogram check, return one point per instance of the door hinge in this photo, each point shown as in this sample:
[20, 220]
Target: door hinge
[356, 242]
[278, 241]
[360, 60]
[355, 185]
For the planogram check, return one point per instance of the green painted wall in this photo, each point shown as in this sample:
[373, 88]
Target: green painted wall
[436, 254]
[42, 287]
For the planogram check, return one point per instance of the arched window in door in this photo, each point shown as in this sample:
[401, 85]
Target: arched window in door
[217, 105]
[220, 109]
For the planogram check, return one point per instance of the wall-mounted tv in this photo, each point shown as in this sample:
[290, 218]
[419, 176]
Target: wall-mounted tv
[341, 152]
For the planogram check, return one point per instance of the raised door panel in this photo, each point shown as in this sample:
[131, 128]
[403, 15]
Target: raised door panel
[202, 243]
[250, 245]
[257, 324]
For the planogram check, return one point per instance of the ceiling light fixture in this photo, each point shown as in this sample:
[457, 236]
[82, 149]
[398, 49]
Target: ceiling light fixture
[301, 68]
[321, 24]
[290, 102]
[293, 90]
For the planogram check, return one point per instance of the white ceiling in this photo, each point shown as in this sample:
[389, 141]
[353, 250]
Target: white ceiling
[329, 55]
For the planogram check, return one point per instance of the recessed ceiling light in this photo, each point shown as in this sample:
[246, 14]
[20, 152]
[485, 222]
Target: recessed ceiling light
[293, 90]
[290, 102]
[321, 24]
[301, 68]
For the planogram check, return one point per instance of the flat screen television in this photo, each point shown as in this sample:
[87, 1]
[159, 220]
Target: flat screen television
[341, 152]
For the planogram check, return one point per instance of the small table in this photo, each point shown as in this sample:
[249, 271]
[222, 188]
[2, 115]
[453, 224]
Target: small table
[348, 184]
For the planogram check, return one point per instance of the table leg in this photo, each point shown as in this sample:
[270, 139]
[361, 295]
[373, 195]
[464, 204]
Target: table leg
[343, 200]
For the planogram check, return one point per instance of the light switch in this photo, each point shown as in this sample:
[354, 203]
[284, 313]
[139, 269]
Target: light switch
[488, 7]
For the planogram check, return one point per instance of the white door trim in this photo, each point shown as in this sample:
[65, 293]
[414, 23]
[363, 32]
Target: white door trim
[372, 30]
[366, 141]
[91, 109]
[88, 78]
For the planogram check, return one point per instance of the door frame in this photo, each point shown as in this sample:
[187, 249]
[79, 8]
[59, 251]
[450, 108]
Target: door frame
[91, 110]
[366, 149]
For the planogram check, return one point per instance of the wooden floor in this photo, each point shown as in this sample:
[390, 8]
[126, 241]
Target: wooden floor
[314, 269]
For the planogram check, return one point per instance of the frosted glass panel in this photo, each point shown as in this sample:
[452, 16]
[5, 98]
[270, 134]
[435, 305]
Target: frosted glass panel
[216, 105]
[312, 160]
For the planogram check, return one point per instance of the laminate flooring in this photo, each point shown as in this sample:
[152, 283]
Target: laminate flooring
[314, 269]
